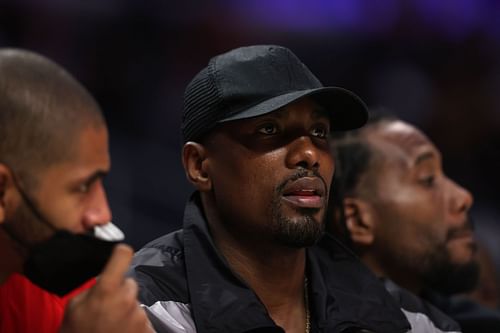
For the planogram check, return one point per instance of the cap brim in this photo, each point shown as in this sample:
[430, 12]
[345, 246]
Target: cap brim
[347, 111]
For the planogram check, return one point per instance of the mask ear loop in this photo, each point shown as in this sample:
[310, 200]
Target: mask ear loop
[31, 205]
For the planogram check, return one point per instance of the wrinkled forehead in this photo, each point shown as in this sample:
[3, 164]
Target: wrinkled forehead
[401, 142]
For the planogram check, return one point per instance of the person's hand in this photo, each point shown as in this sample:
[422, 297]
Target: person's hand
[111, 304]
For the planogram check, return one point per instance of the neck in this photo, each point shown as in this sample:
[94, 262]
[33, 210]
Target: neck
[277, 277]
[276, 273]
[11, 256]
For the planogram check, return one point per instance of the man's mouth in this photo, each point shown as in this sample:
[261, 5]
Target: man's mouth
[465, 232]
[462, 234]
[306, 192]
[462, 237]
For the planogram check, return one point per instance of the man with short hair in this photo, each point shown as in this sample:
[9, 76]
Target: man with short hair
[252, 255]
[408, 222]
[53, 155]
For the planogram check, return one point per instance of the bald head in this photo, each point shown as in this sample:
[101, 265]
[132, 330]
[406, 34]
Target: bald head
[42, 111]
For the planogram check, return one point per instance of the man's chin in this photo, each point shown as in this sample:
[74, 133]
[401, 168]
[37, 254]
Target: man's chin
[462, 250]
[299, 232]
[455, 278]
[298, 242]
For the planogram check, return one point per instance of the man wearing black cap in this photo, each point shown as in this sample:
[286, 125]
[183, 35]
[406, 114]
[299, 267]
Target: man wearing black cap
[252, 256]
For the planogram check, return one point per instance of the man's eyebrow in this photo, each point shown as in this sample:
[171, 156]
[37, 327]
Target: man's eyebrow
[424, 157]
[99, 174]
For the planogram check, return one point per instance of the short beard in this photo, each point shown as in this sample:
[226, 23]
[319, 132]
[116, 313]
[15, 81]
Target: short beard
[25, 228]
[448, 278]
[297, 232]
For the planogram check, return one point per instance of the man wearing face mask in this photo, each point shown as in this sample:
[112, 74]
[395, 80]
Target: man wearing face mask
[54, 215]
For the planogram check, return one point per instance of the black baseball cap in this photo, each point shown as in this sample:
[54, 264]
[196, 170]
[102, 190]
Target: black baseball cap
[254, 80]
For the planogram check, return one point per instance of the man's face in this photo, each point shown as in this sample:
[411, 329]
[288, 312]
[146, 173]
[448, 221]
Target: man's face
[422, 223]
[70, 194]
[271, 174]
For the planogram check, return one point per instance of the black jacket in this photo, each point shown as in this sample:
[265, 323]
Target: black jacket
[187, 286]
[423, 316]
[471, 316]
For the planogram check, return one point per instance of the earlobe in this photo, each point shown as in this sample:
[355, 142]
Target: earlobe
[196, 165]
[4, 181]
[359, 221]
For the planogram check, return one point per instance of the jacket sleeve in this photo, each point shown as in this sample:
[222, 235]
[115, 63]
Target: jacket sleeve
[170, 317]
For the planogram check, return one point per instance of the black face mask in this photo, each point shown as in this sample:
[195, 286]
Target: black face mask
[65, 261]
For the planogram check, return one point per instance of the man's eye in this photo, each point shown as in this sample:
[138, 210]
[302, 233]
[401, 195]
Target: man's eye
[428, 181]
[320, 132]
[83, 188]
[268, 129]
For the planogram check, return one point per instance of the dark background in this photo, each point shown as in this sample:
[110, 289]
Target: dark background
[433, 63]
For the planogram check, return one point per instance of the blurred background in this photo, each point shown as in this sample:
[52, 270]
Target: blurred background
[433, 63]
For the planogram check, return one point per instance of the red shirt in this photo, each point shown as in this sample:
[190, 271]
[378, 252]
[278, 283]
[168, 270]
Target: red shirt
[26, 308]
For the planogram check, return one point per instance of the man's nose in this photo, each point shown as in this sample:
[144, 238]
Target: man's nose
[97, 211]
[461, 199]
[303, 153]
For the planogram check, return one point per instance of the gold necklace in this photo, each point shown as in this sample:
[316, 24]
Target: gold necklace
[306, 301]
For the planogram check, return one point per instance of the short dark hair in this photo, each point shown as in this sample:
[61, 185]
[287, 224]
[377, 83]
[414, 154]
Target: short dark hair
[42, 110]
[353, 155]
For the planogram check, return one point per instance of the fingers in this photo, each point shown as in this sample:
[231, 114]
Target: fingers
[130, 288]
[113, 274]
[128, 295]
[136, 318]
[139, 322]
[111, 305]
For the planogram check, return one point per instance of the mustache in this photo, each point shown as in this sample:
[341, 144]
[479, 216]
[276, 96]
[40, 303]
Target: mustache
[466, 228]
[300, 173]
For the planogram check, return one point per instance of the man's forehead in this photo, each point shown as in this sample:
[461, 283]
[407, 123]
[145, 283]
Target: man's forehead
[90, 153]
[403, 141]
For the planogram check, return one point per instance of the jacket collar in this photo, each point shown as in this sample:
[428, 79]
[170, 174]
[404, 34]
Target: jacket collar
[221, 302]
[343, 292]
[349, 293]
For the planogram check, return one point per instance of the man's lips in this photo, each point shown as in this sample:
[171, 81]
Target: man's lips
[305, 192]
[464, 234]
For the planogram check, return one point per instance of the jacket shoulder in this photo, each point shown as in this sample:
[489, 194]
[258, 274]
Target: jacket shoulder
[423, 316]
[159, 270]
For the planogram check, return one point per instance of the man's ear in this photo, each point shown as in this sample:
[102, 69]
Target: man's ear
[359, 219]
[5, 185]
[194, 159]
